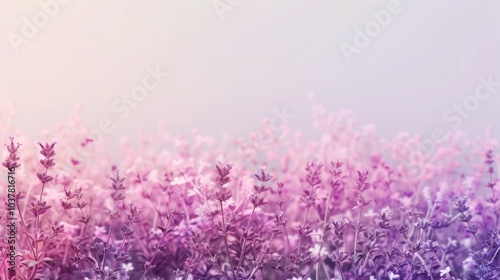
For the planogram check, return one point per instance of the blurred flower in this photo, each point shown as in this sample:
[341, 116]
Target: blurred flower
[445, 271]
[100, 232]
[179, 181]
[317, 250]
[369, 214]
[127, 267]
[468, 263]
[393, 276]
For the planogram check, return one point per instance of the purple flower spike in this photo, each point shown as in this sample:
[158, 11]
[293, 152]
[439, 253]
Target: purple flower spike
[11, 161]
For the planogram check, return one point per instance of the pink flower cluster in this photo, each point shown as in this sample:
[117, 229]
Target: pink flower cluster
[345, 205]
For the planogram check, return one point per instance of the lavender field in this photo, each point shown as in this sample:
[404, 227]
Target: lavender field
[249, 140]
[348, 205]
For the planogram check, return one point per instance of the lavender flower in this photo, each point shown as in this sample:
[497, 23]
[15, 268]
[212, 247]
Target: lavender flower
[12, 160]
[175, 217]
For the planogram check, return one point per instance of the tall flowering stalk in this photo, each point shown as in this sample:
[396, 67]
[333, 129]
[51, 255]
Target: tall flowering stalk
[491, 184]
[369, 219]
[11, 164]
[48, 153]
[223, 195]
[112, 215]
[39, 239]
[257, 201]
[334, 185]
[359, 204]
[12, 159]
[39, 207]
[308, 199]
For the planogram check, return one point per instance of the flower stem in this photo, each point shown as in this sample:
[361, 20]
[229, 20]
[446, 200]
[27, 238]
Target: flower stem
[389, 257]
[244, 241]
[225, 241]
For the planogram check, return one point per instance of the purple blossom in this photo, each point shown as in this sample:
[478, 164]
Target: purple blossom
[342, 207]
[12, 160]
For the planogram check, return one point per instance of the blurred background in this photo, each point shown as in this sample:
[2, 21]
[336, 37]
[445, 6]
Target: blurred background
[399, 65]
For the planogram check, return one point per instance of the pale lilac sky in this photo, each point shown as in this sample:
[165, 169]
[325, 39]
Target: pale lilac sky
[228, 71]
